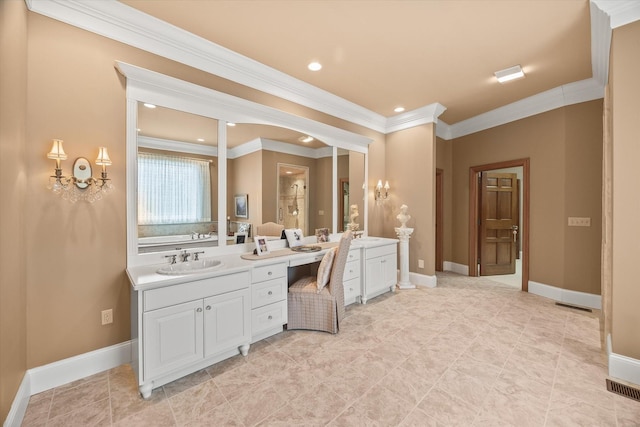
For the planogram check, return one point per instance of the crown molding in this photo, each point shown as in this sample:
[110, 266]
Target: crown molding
[419, 116]
[117, 21]
[125, 24]
[177, 146]
[572, 93]
[280, 147]
[621, 12]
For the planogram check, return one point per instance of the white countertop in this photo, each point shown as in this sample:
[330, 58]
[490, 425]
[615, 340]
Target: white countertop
[145, 277]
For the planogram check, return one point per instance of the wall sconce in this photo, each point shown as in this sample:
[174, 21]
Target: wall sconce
[379, 195]
[81, 185]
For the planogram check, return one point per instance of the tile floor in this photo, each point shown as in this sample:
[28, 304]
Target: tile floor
[471, 352]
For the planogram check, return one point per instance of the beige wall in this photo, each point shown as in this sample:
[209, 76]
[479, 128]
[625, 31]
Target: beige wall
[13, 173]
[444, 161]
[75, 254]
[411, 169]
[565, 149]
[625, 87]
[241, 173]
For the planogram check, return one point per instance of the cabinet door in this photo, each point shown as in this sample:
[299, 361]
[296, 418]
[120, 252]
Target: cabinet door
[374, 276]
[173, 338]
[390, 270]
[226, 321]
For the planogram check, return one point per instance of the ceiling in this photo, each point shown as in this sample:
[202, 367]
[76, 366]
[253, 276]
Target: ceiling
[383, 54]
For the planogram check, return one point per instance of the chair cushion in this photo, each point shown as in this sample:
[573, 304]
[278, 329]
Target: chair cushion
[324, 270]
[306, 285]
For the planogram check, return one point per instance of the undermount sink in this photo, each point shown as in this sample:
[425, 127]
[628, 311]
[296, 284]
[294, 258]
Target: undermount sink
[190, 267]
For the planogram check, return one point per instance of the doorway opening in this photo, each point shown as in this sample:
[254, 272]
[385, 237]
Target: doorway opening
[505, 231]
[293, 200]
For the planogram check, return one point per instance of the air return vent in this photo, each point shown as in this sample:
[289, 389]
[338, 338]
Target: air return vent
[623, 390]
[575, 307]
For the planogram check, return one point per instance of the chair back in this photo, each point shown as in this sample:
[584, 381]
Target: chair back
[269, 229]
[336, 286]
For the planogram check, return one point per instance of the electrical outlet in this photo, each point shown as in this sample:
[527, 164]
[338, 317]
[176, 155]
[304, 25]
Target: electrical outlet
[420, 263]
[579, 222]
[107, 316]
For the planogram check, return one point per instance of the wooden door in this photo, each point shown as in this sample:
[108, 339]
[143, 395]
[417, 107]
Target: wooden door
[498, 223]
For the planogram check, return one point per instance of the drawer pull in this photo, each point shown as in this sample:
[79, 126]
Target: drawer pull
[270, 273]
[270, 293]
[208, 307]
[270, 317]
[199, 309]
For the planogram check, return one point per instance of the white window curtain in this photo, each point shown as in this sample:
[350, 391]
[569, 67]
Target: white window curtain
[173, 190]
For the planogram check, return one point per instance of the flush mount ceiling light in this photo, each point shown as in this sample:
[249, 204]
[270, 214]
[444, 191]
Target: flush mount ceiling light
[398, 109]
[314, 66]
[510, 73]
[200, 139]
[306, 139]
[231, 124]
[146, 104]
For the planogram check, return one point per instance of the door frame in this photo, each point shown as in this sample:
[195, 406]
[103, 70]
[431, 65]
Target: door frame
[474, 215]
[439, 220]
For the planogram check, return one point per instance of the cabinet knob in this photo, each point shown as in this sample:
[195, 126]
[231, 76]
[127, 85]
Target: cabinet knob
[270, 273]
[270, 293]
[270, 317]
[384, 260]
[199, 309]
[208, 307]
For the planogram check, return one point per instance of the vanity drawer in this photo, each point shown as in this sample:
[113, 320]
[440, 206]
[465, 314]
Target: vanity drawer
[351, 270]
[381, 251]
[268, 272]
[190, 291]
[351, 289]
[268, 292]
[268, 317]
[354, 255]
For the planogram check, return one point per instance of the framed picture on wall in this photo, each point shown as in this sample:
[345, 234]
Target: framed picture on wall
[241, 203]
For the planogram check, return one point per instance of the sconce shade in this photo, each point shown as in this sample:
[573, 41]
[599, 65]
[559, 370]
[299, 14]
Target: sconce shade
[103, 157]
[386, 185]
[379, 185]
[57, 152]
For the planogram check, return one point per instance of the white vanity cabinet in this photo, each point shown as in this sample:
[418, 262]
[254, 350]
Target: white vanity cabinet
[268, 300]
[187, 326]
[381, 270]
[352, 276]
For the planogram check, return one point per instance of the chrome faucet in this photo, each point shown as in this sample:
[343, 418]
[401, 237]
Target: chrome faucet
[184, 256]
[172, 258]
[196, 254]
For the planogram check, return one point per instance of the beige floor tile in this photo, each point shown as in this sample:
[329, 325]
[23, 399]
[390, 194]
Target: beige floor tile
[37, 412]
[580, 414]
[418, 418]
[406, 385]
[158, 415]
[192, 403]
[221, 415]
[258, 404]
[239, 381]
[69, 399]
[93, 414]
[127, 401]
[185, 383]
[383, 406]
[226, 365]
[447, 409]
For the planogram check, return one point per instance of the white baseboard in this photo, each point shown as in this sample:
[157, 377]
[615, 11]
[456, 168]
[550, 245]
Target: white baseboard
[20, 403]
[74, 368]
[423, 280]
[46, 377]
[624, 368]
[456, 268]
[567, 296]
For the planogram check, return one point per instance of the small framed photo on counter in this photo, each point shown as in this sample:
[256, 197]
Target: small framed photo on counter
[261, 245]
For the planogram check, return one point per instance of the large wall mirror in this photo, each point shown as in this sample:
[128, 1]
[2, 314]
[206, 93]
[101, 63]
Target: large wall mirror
[232, 155]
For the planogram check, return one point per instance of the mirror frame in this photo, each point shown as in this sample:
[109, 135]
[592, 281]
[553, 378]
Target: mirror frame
[159, 89]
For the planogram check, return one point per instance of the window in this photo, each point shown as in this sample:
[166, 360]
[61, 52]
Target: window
[173, 190]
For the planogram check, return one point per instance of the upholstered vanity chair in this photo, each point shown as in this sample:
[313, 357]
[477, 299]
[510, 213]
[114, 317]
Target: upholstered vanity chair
[269, 229]
[314, 306]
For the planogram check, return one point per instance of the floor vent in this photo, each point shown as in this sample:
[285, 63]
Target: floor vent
[575, 307]
[623, 390]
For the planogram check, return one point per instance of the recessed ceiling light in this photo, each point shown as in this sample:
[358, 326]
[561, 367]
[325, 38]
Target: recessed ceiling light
[305, 139]
[231, 124]
[200, 140]
[510, 73]
[398, 109]
[314, 66]
[146, 104]
[138, 129]
[289, 172]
